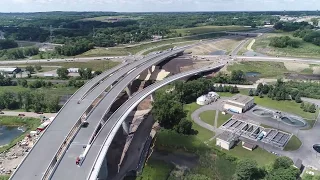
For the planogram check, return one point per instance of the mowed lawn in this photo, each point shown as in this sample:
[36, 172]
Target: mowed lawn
[285, 106]
[208, 29]
[293, 144]
[266, 69]
[262, 156]
[203, 134]
[223, 118]
[208, 117]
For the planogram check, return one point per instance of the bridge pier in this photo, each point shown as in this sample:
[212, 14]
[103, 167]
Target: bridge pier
[126, 127]
[103, 173]
[150, 70]
[152, 97]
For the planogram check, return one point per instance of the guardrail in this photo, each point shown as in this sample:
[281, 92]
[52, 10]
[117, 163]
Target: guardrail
[98, 161]
[69, 138]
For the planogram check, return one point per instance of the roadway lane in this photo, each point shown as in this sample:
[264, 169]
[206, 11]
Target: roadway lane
[49, 143]
[105, 136]
[84, 135]
[85, 59]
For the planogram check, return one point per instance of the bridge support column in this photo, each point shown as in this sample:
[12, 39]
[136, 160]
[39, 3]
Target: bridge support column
[150, 70]
[128, 91]
[103, 173]
[126, 127]
[152, 97]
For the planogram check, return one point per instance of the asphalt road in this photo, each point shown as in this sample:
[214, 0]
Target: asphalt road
[105, 136]
[27, 114]
[84, 59]
[84, 135]
[49, 143]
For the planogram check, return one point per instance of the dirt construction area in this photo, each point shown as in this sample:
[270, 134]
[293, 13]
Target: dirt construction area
[207, 48]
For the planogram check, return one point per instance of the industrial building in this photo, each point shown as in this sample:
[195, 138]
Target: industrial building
[252, 133]
[10, 70]
[239, 103]
[226, 140]
[208, 98]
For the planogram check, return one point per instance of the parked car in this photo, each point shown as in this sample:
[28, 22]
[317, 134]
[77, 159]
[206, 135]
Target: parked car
[1, 112]
[21, 115]
[39, 112]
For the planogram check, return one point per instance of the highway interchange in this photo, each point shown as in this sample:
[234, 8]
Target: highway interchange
[64, 132]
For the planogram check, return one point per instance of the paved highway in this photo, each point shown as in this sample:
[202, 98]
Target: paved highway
[84, 135]
[84, 59]
[98, 151]
[38, 159]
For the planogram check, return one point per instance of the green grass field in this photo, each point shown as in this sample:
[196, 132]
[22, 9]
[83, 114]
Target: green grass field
[293, 144]
[96, 65]
[208, 29]
[204, 134]
[223, 118]
[260, 155]
[29, 123]
[52, 91]
[156, 170]
[305, 50]
[266, 69]
[4, 177]
[208, 116]
[286, 106]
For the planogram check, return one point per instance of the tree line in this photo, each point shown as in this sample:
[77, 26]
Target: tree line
[236, 77]
[7, 44]
[283, 91]
[308, 35]
[284, 41]
[18, 53]
[27, 100]
[282, 168]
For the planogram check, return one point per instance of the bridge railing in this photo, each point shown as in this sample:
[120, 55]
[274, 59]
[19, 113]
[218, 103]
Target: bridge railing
[66, 143]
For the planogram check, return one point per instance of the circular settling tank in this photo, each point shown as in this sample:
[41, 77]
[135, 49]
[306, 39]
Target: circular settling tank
[292, 121]
[262, 113]
[316, 147]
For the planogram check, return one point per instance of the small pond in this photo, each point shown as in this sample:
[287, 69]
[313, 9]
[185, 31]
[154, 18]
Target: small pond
[252, 74]
[7, 134]
[316, 147]
[293, 121]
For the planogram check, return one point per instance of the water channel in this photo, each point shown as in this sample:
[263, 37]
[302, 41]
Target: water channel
[7, 134]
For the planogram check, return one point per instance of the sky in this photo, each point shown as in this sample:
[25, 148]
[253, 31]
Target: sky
[156, 5]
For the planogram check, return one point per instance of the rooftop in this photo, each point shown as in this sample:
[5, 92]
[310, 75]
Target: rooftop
[226, 136]
[239, 98]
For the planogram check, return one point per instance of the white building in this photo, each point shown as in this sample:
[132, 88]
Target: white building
[226, 140]
[73, 70]
[9, 70]
[208, 98]
[239, 103]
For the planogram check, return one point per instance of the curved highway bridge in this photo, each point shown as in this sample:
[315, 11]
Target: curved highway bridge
[47, 152]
